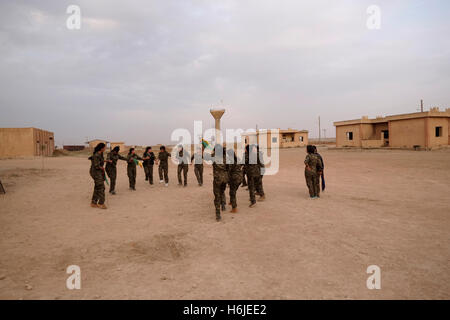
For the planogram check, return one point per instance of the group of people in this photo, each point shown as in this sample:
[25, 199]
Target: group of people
[228, 170]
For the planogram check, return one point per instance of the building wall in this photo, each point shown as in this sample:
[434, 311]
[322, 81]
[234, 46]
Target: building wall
[93, 143]
[43, 142]
[16, 142]
[25, 142]
[407, 133]
[121, 145]
[434, 141]
[378, 128]
[341, 137]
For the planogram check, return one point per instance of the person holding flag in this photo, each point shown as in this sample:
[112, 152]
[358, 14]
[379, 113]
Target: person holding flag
[97, 173]
[132, 160]
[163, 169]
[111, 167]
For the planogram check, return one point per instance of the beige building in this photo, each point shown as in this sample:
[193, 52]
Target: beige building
[290, 138]
[95, 142]
[26, 142]
[121, 145]
[426, 130]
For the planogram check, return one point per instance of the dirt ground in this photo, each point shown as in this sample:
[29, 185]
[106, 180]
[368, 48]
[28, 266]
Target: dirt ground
[383, 207]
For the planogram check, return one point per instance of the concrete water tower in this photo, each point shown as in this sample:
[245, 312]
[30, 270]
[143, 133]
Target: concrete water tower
[217, 115]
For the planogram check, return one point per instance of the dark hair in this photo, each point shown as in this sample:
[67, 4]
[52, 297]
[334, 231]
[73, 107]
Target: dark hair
[146, 149]
[130, 151]
[99, 147]
[116, 149]
[162, 148]
[310, 148]
[315, 148]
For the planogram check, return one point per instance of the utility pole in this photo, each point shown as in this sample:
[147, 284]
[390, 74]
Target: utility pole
[319, 129]
[421, 105]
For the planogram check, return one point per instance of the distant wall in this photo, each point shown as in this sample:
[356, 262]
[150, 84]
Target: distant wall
[16, 142]
[434, 141]
[341, 136]
[407, 133]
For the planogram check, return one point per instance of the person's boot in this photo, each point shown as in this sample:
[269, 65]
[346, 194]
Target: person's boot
[252, 204]
[94, 205]
[262, 198]
[112, 192]
[218, 217]
[234, 210]
[102, 206]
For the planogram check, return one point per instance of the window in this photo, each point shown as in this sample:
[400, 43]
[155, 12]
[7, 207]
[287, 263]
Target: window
[349, 135]
[274, 139]
[301, 138]
[438, 131]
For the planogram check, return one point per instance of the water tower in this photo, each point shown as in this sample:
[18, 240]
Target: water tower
[217, 115]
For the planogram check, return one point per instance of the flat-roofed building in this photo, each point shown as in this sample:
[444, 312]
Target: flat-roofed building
[289, 138]
[26, 142]
[426, 130]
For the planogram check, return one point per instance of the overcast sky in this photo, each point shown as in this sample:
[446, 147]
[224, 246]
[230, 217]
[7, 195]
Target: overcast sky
[137, 70]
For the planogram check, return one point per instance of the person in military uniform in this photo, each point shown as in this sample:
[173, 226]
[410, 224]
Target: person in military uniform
[320, 172]
[163, 169]
[221, 177]
[111, 167]
[197, 161]
[149, 161]
[132, 158]
[183, 165]
[244, 180]
[253, 168]
[97, 173]
[312, 168]
[235, 178]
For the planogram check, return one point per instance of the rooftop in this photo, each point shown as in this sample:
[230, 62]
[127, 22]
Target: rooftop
[433, 112]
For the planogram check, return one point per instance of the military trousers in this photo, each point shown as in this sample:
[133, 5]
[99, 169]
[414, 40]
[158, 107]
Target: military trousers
[312, 182]
[111, 171]
[149, 173]
[131, 172]
[98, 195]
[182, 168]
[163, 173]
[198, 170]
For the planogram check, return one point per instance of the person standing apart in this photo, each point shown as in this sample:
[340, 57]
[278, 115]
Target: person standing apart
[312, 168]
[253, 169]
[183, 165]
[163, 169]
[149, 161]
[111, 167]
[132, 159]
[97, 173]
[321, 175]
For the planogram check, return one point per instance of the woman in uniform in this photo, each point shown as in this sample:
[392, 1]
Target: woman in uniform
[132, 159]
[98, 175]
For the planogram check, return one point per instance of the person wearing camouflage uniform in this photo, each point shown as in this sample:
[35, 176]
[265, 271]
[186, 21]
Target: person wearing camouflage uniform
[197, 160]
[149, 161]
[253, 169]
[313, 166]
[163, 169]
[259, 183]
[131, 168]
[97, 173]
[111, 168]
[183, 165]
[235, 178]
[221, 178]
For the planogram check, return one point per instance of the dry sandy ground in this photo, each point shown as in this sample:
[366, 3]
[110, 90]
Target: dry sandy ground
[388, 208]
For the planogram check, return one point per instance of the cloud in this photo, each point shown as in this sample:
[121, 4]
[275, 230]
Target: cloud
[136, 71]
